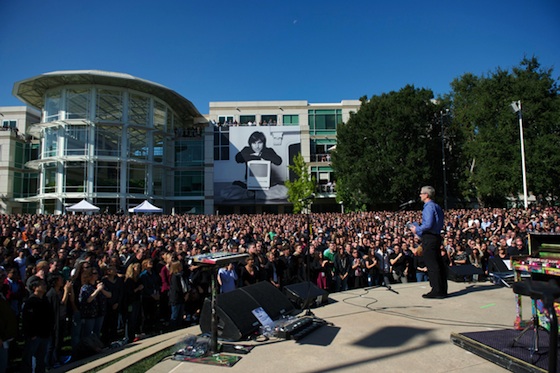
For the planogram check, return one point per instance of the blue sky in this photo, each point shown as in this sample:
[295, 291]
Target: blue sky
[236, 50]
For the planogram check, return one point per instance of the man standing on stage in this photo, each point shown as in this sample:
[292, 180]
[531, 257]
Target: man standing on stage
[430, 233]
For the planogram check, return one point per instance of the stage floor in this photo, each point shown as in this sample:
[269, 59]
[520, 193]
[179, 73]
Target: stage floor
[382, 330]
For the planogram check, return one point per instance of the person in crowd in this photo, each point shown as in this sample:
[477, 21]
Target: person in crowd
[37, 318]
[150, 295]
[57, 295]
[372, 268]
[8, 328]
[14, 290]
[342, 268]
[420, 265]
[178, 291]
[430, 233]
[93, 300]
[114, 284]
[399, 265]
[133, 301]
[357, 277]
[227, 278]
[248, 273]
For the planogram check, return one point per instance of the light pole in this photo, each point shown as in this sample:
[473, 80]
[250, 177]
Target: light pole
[516, 106]
[443, 158]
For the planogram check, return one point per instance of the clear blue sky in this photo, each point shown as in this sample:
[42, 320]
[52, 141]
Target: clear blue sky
[315, 50]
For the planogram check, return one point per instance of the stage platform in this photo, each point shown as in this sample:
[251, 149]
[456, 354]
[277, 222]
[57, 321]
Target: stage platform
[381, 330]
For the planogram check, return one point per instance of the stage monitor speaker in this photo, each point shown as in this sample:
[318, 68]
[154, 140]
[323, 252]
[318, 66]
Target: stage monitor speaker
[306, 295]
[270, 298]
[465, 272]
[235, 317]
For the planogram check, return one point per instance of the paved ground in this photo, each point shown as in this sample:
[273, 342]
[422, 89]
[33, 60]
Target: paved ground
[383, 331]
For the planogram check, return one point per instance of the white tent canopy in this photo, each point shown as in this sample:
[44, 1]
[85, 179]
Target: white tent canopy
[145, 207]
[83, 206]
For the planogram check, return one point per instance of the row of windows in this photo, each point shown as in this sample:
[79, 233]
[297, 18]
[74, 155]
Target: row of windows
[107, 176]
[263, 120]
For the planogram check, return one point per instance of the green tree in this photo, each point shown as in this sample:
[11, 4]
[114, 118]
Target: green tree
[490, 161]
[303, 185]
[389, 149]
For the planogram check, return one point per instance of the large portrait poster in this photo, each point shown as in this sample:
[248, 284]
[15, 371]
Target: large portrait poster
[256, 163]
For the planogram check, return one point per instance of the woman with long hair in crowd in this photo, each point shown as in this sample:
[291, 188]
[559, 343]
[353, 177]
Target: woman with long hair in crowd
[178, 289]
[133, 295]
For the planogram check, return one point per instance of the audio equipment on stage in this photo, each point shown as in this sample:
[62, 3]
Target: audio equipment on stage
[298, 328]
[465, 273]
[220, 258]
[306, 295]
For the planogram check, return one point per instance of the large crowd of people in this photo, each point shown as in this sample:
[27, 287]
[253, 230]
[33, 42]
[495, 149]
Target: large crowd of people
[120, 277]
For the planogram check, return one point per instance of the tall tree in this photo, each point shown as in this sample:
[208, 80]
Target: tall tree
[303, 185]
[491, 157]
[388, 149]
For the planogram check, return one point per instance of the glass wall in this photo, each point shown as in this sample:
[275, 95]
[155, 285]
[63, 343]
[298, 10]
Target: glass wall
[75, 177]
[137, 143]
[138, 109]
[189, 183]
[108, 141]
[137, 178]
[107, 177]
[77, 103]
[109, 105]
[52, 105]
[76, 138]
[189, 153]
[49, 172]
[50, 142]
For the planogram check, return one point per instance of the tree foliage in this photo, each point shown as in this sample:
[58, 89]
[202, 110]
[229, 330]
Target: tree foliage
[490, 162]
[388, 149]
[303, 185]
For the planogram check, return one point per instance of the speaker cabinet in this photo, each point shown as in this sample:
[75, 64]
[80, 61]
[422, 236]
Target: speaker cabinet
[234, 310]
[462, 273]
[272, 300]
[306, 295]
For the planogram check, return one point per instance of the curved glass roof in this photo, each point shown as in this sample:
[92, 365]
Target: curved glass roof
[32, 90]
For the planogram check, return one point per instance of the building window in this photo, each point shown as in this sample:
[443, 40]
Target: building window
[189, 153]
[159, 116]
[76, 178]
[77, 104]
[49, 172]
[9, 125]
[76, 140]
[189, 183]
[51, 142]
[138, 110]
[246, 119]
[225, 120]
[269, 120]
[221, 143]
[108, 141]
[137, 144]
[324, 120]
[52, 106]
[107, 177]
[109, 105]
[290, 120]
[137, 178]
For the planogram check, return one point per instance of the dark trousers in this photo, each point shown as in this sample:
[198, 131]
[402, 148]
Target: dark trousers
[437, 271]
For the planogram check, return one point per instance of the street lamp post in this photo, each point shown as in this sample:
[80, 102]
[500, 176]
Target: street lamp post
[516, 106]
[443, 158]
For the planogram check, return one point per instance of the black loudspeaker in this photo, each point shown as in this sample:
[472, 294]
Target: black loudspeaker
[272, 300]
[465, 272]
[235, 319]
[234, 310]
[306, 295]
